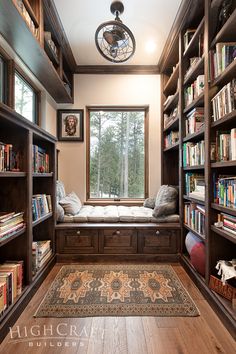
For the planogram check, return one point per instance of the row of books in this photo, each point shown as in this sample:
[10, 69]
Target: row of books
[224, 102]
[226, 145]
[193, 153]
[194, 120]
[194, 217]
[171, 139]
[195, 185]
[225, 190]
[41, 205]
[171, 117]
[194, 90]
[228, 222]
[41, 252]
[40, 160]
[11, 282]
[25, 14]
[9, 159]
[221, 57]
[10, 223]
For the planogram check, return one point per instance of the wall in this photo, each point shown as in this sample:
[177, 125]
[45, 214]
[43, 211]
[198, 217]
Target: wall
[112, 90]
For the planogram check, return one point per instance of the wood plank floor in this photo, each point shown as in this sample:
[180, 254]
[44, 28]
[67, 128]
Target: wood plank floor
[120, 335]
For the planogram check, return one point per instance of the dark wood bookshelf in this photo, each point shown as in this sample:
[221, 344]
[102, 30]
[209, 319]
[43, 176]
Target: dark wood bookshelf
[172, 125]
[194, 200]
[230, 211]
[223, 164]
[223, 233]
[196, 103]
[172, 103]
[43, 175]
[42, 219]
[195, 232]
[196, 70]
[171, 85]
[12, 236]
[195, 136]
[227, 119]
[12, 174]
[226, 33]
[192, 168]
[194, 41]
[226, 75]
[172, 147]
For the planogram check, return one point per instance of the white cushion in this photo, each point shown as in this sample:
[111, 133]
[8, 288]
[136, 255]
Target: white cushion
[71, 204]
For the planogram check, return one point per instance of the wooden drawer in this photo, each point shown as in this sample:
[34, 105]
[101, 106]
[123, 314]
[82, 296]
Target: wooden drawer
[118, 241]
[77, 241]
[158, 241]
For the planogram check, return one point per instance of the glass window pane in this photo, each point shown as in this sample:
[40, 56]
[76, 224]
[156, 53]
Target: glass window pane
[24, 98]
[117, 154]
[1, 80]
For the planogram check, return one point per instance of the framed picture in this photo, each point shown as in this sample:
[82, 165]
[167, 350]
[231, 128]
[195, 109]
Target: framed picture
[70, 125]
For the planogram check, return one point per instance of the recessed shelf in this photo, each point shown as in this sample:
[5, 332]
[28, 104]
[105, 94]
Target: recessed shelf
[42, 219]
[172, 103]
[223, 233]
[230, 211]
[12, 174]
[52, 56]
[228, 118]
[195, 232]
[194, 200]
[223, 164]
[196, 103]
[45, 266]
[171, 85]
[196, 70]
[227, 32]
[194, 136]
[197, 167]
[31, 12]
[12, 236]
[42, 175]
[192, 44]
[226, 75]
[172, 124]
[172, 147]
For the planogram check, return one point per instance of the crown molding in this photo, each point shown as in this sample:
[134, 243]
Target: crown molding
[118, 69]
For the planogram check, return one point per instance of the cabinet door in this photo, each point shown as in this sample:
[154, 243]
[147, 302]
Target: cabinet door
[118, 241]
[76, 241]
[158, 241]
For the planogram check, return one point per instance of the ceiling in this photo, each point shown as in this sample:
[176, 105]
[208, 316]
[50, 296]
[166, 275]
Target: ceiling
[149, 20]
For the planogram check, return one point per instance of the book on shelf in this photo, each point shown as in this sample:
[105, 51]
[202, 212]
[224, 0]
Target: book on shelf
[194, 120]
[195, 185]
[171, 139]
[194, 217]
[224, 189]
[194, 90]
[11, 223]
[41, 252]
[41, 205]
[9, 158]
[223, 55]
[194, 153]
[224, 102]
[40, 160]
[226, 145]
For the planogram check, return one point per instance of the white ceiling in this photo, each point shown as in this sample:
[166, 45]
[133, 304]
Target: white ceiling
[149, 20]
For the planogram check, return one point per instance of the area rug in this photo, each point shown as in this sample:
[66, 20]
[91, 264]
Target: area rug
[116, 290]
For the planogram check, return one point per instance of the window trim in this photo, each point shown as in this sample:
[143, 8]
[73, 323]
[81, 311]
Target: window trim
[123, 201]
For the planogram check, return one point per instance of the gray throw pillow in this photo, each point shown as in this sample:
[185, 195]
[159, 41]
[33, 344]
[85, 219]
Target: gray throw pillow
[166, 201]
[149, 203]
[60, 213]
[71, 204]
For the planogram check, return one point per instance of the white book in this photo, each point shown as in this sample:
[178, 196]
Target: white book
[233, 143]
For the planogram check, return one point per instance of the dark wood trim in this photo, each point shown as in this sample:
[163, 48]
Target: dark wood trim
[146, 153]
[194, 136]
[223, 233]
[227, 210]
[195, 232]
[10, 99]
[118, 69]
[194, 200]
[172, 147]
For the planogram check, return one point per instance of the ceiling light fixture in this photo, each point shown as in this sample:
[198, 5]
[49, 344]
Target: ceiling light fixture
[114, 41]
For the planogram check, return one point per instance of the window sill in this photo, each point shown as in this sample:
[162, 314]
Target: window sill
[133, 202]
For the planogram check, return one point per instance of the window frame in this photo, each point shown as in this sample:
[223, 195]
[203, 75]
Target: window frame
[37, 95]
[123, 201]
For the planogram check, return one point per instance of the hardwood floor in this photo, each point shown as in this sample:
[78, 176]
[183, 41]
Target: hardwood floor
[120, 335]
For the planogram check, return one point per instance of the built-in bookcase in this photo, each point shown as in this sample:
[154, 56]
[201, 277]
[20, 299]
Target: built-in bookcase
[201, 38]
[17, 188]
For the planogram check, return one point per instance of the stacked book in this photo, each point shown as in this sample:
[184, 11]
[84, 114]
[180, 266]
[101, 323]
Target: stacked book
[221, 57]
[194, 90]
[11, 280]
[10, 223]
[193, 153]
[9, 159]
[41, 252]
[228, 222]
[194, 217]
[41, 205]
[171, 139]
[194, 121]
[40, 160]
[27, 17]
[195, 185]
[226, 145]
[225, 191]
[225, 101]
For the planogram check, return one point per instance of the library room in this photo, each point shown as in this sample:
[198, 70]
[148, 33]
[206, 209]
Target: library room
[118, 176]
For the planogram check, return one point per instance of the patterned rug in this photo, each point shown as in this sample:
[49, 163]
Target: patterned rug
[116, 290]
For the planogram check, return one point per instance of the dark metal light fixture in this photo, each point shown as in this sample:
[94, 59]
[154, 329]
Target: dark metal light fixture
[114, 41]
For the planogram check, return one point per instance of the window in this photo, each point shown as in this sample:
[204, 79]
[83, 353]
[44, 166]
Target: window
[2, 79]
[25, 98]
[116, 153]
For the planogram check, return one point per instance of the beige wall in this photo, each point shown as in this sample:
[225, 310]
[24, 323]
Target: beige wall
[112, 90]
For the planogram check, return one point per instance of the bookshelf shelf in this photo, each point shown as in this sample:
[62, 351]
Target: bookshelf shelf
[12, 174]
[194, 136]
[194, 232]
[223, 209]
[196, 103]
[42, 175]
[226, 76]
[226, 33]
[223, 164]
[194, 41]
[192, 168]
[52, 56]
[171, 84]
[226, 304]
[187, 261]
[42, 219]
[172, 125]
[42, 269]
[195, 71]
[172, 103]
[12, 236]
[31, 12]
[229, 236]
[172, 147]
[194, 200]
[227, 119]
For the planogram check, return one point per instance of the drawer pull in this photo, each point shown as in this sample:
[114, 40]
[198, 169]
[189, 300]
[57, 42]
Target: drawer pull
[78, 232]
[118, 232]
[157, 232]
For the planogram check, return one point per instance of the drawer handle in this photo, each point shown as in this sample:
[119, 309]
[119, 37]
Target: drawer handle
[118, 232]
[78, 232]
[157, 232]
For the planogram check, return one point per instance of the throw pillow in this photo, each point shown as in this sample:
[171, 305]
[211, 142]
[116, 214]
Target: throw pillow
[149, 203]
[60, 213]
[71, 204]
[166, 201]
